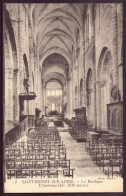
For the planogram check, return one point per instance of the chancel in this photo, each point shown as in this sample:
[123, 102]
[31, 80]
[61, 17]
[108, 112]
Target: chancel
[63, 90]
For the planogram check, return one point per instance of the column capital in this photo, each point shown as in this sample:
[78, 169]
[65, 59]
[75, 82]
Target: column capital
[9, 73]
[15, 71]
[89, 90]
[120, 65]
[102, 83]
[83, 43]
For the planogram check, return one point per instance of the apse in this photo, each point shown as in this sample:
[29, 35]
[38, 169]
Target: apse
[54, 99]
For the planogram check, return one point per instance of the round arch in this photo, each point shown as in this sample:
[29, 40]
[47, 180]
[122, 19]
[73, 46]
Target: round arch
[105, 83]
[54, 76]
[11, 81]
[55, 50]
[9, 27]
[54, 80]
[54, 95]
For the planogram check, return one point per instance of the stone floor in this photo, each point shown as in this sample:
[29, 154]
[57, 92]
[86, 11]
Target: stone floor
[79, 159]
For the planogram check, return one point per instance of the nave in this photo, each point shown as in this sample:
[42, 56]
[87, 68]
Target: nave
[63, 91]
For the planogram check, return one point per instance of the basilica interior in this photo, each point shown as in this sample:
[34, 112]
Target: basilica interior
[63, 84]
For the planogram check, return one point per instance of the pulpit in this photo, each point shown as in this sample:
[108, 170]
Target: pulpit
[22, 98]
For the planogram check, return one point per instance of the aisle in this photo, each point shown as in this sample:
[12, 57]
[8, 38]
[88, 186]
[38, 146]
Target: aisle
[79, 158]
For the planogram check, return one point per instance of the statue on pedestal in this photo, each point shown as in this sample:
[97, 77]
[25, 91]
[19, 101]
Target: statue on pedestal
[115, 94]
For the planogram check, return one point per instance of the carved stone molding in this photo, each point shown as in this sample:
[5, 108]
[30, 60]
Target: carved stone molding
[101, 83]
[9, 73]
[89, 90]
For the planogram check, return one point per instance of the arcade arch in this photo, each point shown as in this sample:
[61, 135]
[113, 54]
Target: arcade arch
[105, 83]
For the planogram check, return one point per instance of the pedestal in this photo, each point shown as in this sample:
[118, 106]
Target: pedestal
[115, 116]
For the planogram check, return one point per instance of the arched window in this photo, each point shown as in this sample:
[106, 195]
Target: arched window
[53, 93]
[60, 109]
[49, 93]
[53, 106]
[60, 92]
[57, 92]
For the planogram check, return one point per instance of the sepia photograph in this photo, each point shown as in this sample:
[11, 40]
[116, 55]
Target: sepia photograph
[63, 97]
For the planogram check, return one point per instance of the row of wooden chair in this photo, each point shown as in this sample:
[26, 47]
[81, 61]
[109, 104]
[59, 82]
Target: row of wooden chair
[35, 145]
[36, 156]
[35, 150]
[43, 155]
[107, 155]
[43, 173]
[38, 164]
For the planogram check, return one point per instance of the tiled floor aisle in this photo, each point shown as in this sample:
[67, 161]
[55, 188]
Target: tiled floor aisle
[79, 158]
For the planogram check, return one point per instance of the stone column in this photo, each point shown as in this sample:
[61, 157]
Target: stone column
[103, 105]
[44, 97]
[91, 107]
[64, 98]
[70, 92]
[36, 76]
[31, 66]
[83, 75]
[77, 76]
[20, 45]
[39, 89]
[106, 101]
[82, 65]
[43, 109]
[15, 96]
[94, 66]
[114, 42]
[73, 84]
[120, 79]
[9, 94]
[99, 104]
[69, 99]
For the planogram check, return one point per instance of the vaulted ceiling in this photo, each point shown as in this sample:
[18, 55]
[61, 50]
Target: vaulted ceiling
[55, 27]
